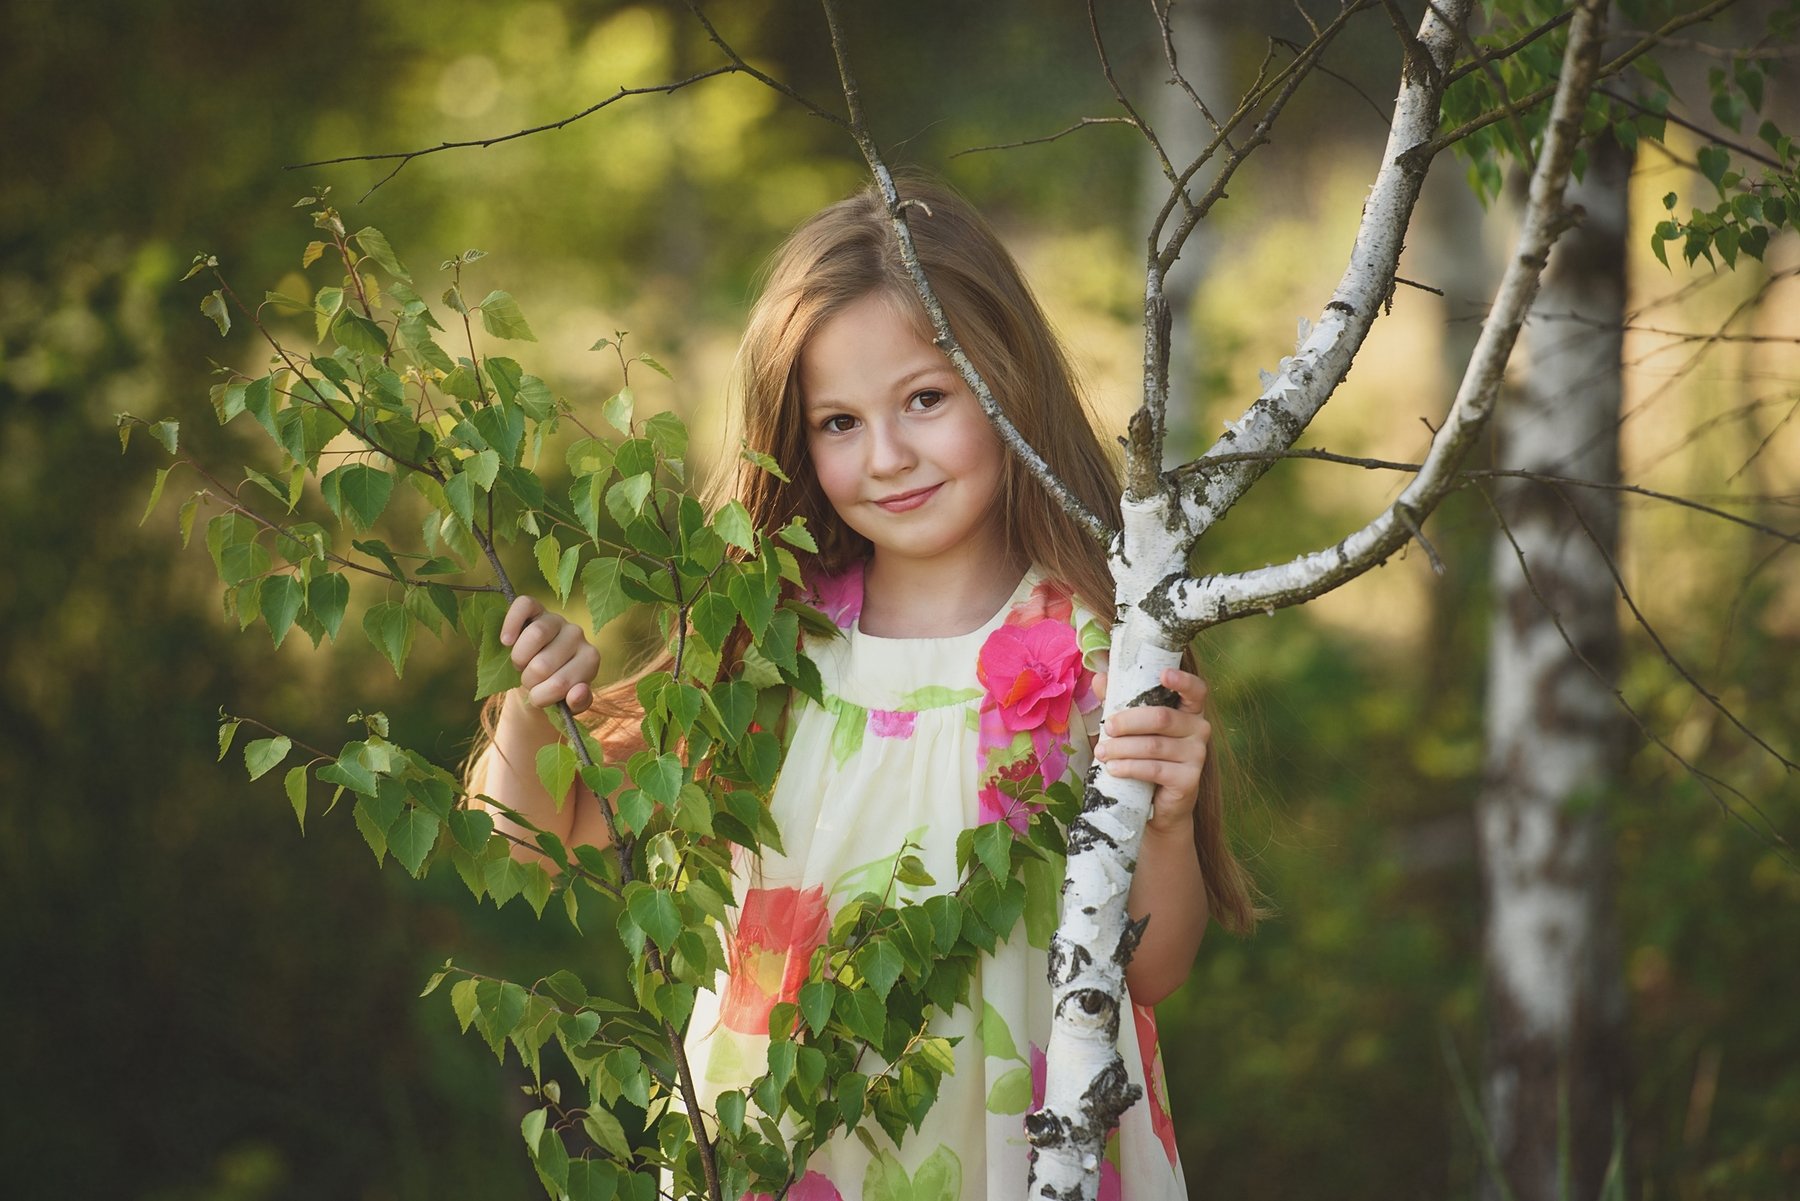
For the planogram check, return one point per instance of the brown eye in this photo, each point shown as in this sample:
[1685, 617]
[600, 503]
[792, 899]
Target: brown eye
[928, 399]
[831, 425]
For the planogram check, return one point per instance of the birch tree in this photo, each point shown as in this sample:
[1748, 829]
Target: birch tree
[1555, 737]
[1160, 604]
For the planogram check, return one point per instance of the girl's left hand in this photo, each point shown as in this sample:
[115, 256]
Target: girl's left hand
[1162, 746]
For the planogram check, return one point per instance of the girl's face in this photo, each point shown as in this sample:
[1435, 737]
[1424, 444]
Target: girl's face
[899, 444]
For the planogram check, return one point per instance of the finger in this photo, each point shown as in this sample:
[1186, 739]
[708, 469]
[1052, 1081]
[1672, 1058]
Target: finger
[580, 697]
[532, 641]
[567, 662]
[1178, 781]
[1190, 687]
[1154, 719]
[518, 615]
[1143, 746]
[1100, 686]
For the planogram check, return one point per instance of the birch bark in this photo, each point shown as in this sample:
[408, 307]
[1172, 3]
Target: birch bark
[1555, 736]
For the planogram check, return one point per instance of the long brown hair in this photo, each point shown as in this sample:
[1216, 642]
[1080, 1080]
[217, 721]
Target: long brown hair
[847, 252]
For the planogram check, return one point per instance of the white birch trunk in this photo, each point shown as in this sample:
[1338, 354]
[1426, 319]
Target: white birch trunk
[1554, 733]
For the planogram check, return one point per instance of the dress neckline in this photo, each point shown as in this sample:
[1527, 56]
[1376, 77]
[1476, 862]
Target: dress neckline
[987, 627]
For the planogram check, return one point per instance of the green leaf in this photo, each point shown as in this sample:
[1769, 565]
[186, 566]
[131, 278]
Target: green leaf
[732, 523]
[359, 490]
[462, 1000]
[412, 836]
[374, 243]
[795, 533]
[326, 597]
[213, 305]
[815, 1003]
[656, 914]
[606, 1132]
[357, 334]
[862, 1011]
[280, 603]
[1713, 162]
[993, 846]
[266, 754]
[470, 828]
[617, 410]
[880, 963]
[659, 778]
[374, 814]
[667, 435]
[765, 461]
[593, 1180]
[296, 793]
[556, 765]
[501, 317]
[390, 627]
[228, 729]
[625, 499]
[602, 585]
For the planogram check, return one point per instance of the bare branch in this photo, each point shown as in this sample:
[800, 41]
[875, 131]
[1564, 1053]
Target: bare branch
[1304, 383]
[946, 338]
[1707, 780]
[1165, 23]
[1612, 568]
[402, 157]
[1084, 123]
[1124, 102]
[1322, 69]
[1198, 603]
[1749, 152]
[1507, 51]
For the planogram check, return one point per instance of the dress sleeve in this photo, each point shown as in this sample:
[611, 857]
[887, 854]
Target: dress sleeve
[1094, 636]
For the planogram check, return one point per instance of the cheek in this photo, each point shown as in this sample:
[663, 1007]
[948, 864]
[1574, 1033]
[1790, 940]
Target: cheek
[834, 470]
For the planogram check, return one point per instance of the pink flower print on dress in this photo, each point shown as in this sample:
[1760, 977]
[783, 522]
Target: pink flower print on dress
[770, 950]
[814, 1186]
[840, 596]
[892, 723]
[1156, 1087]
[1032, 674]
[1049, 601]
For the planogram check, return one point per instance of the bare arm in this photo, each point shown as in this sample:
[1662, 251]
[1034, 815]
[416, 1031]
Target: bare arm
[555, 663]
[1166, 747]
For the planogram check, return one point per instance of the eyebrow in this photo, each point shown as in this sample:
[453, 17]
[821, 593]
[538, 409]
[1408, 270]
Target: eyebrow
[904, 381]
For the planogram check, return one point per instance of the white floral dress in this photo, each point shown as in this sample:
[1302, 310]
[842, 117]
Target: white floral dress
[909, 746]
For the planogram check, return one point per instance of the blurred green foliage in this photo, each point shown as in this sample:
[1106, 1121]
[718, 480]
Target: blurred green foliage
[205, 1005]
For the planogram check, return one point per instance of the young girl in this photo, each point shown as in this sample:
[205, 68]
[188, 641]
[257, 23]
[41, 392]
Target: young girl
[969, 642]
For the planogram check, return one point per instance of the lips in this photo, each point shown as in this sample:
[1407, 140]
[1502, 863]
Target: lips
[904, 501]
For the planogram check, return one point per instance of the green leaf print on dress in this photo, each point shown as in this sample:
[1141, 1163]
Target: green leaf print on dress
[939, 1178]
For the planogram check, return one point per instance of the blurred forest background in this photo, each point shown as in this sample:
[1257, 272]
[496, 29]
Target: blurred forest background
[203, 1004]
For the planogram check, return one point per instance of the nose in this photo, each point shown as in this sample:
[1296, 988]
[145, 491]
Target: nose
[890, 450]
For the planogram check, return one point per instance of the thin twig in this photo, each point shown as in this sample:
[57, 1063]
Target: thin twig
[1749, 152]
[1705, 778]
[1607, 70]
[1084, 123]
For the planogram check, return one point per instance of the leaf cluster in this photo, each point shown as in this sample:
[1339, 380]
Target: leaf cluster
[377, 407]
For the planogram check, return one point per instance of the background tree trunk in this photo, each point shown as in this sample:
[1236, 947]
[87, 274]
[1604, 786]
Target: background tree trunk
[1554, 732]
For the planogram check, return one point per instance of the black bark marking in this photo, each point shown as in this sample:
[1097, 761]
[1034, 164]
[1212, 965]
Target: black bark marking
[1168, 698]
[1085, 836]
[1110, 1095]
[1092, 1007]
[1342, 306]
[1129, 939]
[1067, 960]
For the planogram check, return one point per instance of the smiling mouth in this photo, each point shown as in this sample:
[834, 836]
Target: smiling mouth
[908, 500]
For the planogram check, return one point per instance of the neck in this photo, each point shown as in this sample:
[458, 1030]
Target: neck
[939, 597]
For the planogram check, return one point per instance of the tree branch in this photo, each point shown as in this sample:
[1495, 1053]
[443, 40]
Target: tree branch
[1194, 604]
[946, 338]
[1305, 381]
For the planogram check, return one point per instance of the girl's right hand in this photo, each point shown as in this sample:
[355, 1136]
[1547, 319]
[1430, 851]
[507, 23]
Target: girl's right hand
[554, 658]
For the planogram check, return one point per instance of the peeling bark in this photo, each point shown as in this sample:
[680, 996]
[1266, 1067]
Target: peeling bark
[1555, 737]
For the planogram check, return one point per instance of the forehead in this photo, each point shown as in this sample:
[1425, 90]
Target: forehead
[866, 349]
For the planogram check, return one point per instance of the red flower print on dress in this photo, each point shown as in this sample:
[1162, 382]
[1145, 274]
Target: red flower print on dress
[840, 596]
[1049, 601]
[1156, 1088]
[814, 1186]
[777, 931]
